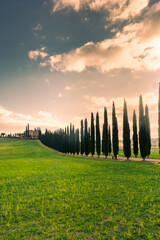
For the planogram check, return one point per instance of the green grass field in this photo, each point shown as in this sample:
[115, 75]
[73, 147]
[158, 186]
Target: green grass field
[154, 152]
[45, 195]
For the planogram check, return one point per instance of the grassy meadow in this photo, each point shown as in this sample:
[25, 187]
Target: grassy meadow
[154, 152]
[46, 195]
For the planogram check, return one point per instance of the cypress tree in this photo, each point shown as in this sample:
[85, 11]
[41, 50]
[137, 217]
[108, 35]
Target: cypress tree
[135, 135]
[77, 141]
[65, 141]
[148, 131]
[89, 140]
[109, 141]
[86, 147]
[103, 139]
[105, 134]
[39, 134]
[115, 140]
[142, 130]
[141, 111]
[82, 138]
[126, 133]
[143, 138]
[98, 139]
[28, 131]
[159, 119]
[92, 135]
[73, 140]
[68, 139]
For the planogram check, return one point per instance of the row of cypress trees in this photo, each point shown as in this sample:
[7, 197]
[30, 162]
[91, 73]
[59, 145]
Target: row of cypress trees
[67, 140]
[91, 137]
[159, 119]
[144, 132]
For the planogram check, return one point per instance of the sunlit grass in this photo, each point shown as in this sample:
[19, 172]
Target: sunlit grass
[45, 195]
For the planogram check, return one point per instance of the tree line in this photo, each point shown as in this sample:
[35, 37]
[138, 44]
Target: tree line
[89, 140]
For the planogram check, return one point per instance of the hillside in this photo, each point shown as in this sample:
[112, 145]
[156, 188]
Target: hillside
[46, 195]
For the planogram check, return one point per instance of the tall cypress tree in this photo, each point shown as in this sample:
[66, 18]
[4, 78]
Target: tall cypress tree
[98, 138]
[28, 131]
[109, 141]
[92, 135]
[143, 139]
[68, 148]
[89, 140]
[77, 141]
[126, 133]
[26, 135]
[73, 139]
[65, 141]
[105, 145]
[86, 147]
[159, 119]
[141, 111]
[82, 138]
[39, 134]
[135, 135]
[148, 131]
[142, 130]
[103, 139]
[115, 140]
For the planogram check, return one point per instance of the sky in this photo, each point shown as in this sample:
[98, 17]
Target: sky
[60, 60]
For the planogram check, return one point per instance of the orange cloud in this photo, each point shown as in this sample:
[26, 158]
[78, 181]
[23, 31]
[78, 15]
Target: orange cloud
[136, 47]
[40, 119]
[117, 9]
[36, 53]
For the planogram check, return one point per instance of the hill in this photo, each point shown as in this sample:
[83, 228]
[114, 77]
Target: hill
[46, 195]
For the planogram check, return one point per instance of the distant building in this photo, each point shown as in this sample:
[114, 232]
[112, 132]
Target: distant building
[32, 134]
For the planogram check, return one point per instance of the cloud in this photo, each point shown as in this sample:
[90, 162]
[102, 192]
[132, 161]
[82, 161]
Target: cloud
[43, 64]
[94, 103]
[74, 4]
[117, 9]
[38, 27]
[60, 95]
[34, 54]
[62, 38]
[42, 119]
[149, 98]
[68, 88]
[136, 47]
[43, 48]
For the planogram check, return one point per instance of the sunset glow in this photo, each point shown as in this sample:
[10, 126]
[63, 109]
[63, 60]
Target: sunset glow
[63, 59]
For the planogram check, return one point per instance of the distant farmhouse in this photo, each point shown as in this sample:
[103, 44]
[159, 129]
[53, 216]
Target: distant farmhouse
[32, 133]
[27, 134]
